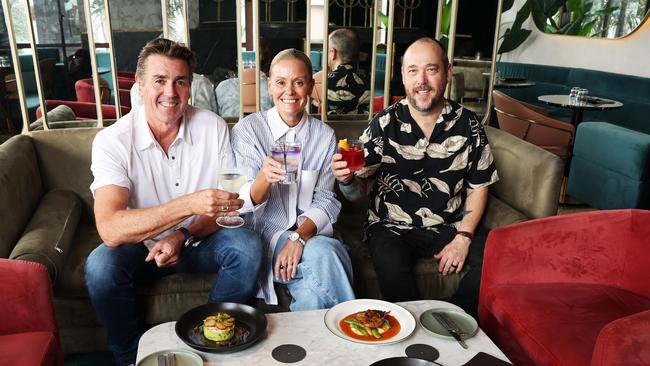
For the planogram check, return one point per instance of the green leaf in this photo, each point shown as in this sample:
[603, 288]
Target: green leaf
[507, 4]
[513, 39]
[522, 14]
[383, 18]
[586, 29]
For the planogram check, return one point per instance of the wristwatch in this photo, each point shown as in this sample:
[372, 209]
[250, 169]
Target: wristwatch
[296, 237]
[189, 238]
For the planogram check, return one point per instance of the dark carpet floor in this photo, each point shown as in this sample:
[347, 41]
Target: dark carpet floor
[89, 359]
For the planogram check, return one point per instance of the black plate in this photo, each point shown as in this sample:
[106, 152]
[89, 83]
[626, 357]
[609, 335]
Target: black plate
[250, 326]
[403, 361]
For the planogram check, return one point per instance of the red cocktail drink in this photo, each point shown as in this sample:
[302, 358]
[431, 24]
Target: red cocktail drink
[353, 155]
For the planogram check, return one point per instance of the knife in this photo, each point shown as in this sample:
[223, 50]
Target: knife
[450, 327]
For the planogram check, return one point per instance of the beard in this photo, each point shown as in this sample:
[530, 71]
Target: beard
[428, 106]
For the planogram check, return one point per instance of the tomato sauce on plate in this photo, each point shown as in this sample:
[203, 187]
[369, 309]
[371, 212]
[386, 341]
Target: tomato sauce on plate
[394, 329]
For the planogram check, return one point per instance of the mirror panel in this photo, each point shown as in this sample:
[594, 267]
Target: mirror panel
[585, 18]
[349, 58]
[472, 50]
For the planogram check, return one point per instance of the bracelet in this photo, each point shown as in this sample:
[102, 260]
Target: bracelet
[466, 234]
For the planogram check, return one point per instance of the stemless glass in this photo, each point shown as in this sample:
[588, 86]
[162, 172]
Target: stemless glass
[288, 154]
[352, 152]
[231, 179]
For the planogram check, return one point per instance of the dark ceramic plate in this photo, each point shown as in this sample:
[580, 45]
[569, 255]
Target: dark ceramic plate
[250, 327]
[403, 361]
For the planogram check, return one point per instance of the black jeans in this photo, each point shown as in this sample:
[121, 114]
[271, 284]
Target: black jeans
[394, 254]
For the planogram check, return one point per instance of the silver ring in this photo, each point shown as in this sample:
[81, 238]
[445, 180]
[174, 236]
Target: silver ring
[454, 266]
[281, 267]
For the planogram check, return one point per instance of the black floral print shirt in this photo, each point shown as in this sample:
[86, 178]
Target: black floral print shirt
[419, 183]
[347, 93]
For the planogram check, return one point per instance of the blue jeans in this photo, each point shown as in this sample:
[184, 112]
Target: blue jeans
[324, 274]
[112, 273]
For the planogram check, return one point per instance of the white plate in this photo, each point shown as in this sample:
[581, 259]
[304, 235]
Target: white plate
[340, 311]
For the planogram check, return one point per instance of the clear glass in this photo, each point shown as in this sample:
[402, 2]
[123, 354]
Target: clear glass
[352, 152]
[231, 179]
[288, 154]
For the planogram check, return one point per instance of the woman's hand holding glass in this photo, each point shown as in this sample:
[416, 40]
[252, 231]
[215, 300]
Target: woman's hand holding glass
[272, 171]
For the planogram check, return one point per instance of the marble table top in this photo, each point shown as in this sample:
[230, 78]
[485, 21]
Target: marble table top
[307, 329]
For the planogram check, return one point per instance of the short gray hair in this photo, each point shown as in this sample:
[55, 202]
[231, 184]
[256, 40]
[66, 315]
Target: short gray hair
[346, 43]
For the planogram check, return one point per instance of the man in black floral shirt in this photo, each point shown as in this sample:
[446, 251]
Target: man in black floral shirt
[347, 92]
[428, 165]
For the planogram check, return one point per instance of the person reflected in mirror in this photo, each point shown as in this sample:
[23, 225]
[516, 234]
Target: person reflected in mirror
[227, 92]
[428, 166]
[294, 220]
[155, 202]
[347, 91]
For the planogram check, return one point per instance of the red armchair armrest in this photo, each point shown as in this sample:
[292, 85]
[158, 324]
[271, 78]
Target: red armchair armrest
[624, 342]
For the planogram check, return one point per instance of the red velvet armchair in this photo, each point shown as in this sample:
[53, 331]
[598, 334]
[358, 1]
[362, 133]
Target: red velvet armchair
[85, 93]
[570, 290]
[28, 330]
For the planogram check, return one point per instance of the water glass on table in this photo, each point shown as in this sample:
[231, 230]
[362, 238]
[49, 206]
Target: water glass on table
[288, 154]
[352, 152]
[574, 95]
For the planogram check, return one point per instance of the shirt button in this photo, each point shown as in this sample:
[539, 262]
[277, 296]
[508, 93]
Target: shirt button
[173, 157]
[176, 184]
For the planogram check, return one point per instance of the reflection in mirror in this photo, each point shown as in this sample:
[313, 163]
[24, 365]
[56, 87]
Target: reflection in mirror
[349, 56]
[133, 24]
[213, 37]
[589, 18]
[472, 49]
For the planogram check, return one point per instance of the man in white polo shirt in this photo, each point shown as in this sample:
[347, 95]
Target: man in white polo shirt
[155, 171]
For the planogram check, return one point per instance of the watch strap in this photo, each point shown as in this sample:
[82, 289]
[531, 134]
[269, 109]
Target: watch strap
[186, 233]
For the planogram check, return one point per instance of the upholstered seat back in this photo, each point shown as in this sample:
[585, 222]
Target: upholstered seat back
[518, 119]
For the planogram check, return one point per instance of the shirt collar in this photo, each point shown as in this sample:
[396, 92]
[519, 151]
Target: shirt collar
[278, 127]
[144, 137]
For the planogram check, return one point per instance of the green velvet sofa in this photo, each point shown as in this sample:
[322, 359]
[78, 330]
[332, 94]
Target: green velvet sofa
[47, 217]
[610, 168]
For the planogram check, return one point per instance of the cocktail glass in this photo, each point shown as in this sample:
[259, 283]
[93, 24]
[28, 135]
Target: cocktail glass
[352, 152]
[287, 154]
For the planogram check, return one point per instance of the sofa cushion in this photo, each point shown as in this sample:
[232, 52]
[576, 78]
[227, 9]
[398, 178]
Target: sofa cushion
[557, 324]
[59, 113]
[48, 235]
[528, 185]
[31, 348]
[64, 161]
[615, 148]
[20, 189]
[71, 282]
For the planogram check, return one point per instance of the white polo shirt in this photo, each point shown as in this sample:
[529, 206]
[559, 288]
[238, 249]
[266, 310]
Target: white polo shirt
[127, 155]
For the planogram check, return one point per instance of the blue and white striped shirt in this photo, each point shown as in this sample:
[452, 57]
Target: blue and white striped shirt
[288, 205]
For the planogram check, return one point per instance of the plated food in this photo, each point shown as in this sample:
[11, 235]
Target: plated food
[373, 321]
[221, 327]
[370, 325]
